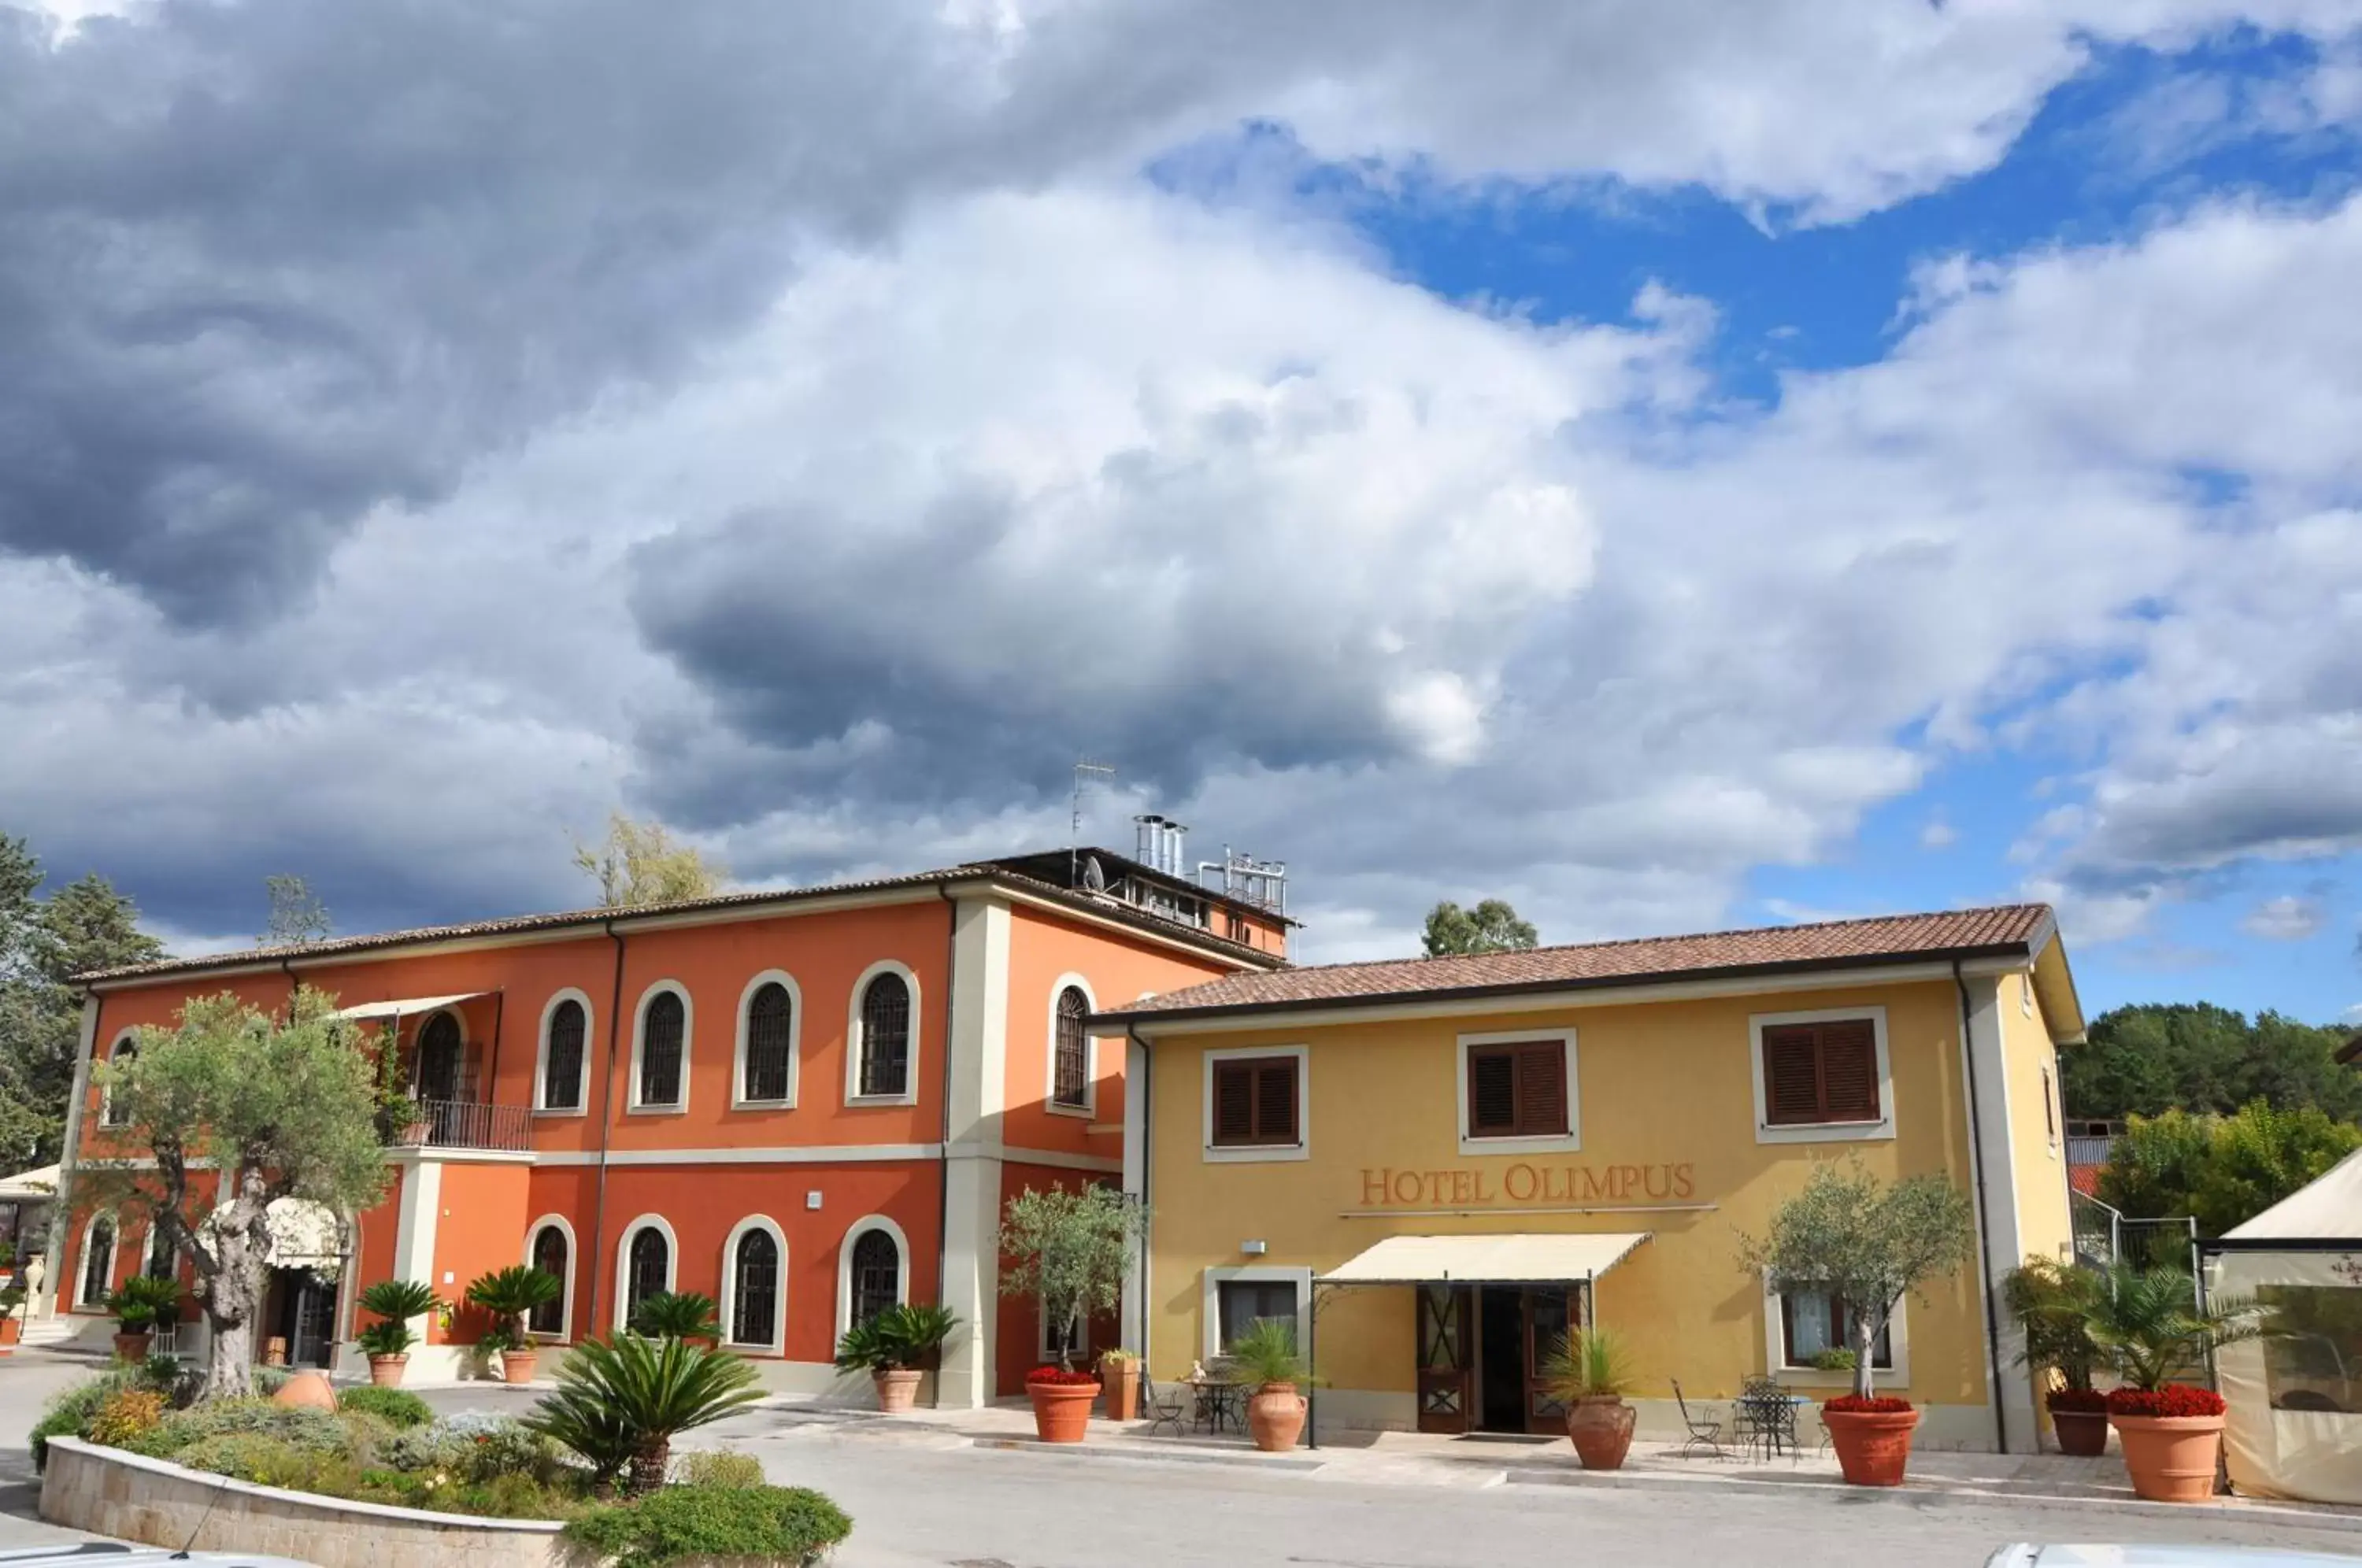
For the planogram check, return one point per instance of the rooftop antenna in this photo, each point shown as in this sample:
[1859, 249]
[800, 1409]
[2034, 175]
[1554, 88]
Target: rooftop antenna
[1086, 772]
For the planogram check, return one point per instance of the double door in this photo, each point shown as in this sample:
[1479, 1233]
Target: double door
[1483, 1353]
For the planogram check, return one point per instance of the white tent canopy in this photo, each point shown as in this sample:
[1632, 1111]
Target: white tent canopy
[1484, 1260]
[34, 1185]
[2295, 1427]
[409, 1007]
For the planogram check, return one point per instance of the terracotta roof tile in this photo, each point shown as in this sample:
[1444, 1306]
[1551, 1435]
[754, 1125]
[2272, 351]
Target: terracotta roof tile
[1882, 939]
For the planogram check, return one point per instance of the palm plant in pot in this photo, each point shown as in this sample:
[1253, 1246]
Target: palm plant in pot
[1266, 1359]
[1863, 1245]
[387, 1341]
[1590, 1371]
[511, 1295]
[1071, 1251]
[2052, 1303]
[139, 1304]
[677, 1315]
[621, 1402]
[896, 1347]
[2150, 1327]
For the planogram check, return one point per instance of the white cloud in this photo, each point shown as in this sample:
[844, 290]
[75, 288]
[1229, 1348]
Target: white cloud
[2287, 917]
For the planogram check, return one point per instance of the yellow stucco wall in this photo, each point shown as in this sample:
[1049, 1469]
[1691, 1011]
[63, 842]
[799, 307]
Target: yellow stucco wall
[1661, 1085]
[2039, 1151]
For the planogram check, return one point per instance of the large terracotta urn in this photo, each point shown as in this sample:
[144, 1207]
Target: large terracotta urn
[517, 1363]
[1275, 1417]
[385, 1371]
[1873, 1446]
[897, 1389]
[1601, 1426]
[308, 1389]
[2170, 1457]
[1062, 1411]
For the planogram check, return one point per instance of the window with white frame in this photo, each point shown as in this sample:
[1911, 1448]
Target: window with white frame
[660, 1080]
[553, 1254]
[110, 1114]
[755, 1263]
[767, 1056]
[97, 1278]
[1812, 1323]
[1070, 1051]
[875, 1275]
[163, 1258]
[565, 1050]
[885, 1043]
[1236, 1298]
[647, 1269]
[1821, 1077]
[1256, 1104]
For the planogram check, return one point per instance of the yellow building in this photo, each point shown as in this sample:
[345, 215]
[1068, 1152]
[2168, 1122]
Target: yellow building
[1435, 1165]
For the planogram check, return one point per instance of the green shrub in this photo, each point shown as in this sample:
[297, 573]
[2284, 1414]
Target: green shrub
[272, 1461]
[391, 1406]
[70, 1411]
[710, 1467]
[474, 1447]
[676, 1315]
[503, 1497]
[316, 1432]
[783, 1524]
[126, 1416]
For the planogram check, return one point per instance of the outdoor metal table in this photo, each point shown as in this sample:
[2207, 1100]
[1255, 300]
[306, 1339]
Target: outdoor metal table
[1218, 1402]
[1766, 1419]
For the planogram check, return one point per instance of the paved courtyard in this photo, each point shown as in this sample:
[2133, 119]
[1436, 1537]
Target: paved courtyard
[926, 1493]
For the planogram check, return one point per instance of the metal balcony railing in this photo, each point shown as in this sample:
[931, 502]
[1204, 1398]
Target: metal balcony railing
[463, 1124]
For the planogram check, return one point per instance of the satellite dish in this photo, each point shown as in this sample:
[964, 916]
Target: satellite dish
[1094, 878]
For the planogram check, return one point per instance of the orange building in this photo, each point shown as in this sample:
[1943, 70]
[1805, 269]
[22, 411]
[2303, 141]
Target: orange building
[805, 1104]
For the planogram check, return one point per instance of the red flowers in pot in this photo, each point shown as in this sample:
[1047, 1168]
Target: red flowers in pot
[2174, 1400]
[1061, 1402]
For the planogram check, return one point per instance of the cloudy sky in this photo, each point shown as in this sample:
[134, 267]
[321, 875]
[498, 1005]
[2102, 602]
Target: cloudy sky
[1669, 464]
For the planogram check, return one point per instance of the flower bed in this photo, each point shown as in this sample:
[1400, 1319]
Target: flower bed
[1059, 1377]
[2076, 1401]
[2175, 1399]
[1874, 1405]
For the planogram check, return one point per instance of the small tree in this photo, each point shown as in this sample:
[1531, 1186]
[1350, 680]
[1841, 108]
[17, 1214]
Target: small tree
[640, 864]
[1864, 1243]
[1072, 1251]
[2053, 1302]
[297, 916]
[1491, 927]
[282, 1110]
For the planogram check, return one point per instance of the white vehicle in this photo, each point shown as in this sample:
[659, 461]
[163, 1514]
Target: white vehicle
[117, 1554]
[2026, 1554]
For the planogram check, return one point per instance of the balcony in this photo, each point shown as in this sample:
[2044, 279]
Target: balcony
[462, 1124]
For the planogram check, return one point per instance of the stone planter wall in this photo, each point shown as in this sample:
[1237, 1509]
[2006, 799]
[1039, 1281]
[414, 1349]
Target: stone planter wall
[113, 1493]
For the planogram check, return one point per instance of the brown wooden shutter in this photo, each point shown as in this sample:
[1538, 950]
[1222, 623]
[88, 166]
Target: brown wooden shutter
[1275, 1101]
[1791, 1089]
[1234, 1102]
[1491, 1091]
[1541, 1090]
[1849, 1071]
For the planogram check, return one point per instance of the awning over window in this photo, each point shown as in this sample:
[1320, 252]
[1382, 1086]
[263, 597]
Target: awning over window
[409, 1007]
[1484, 1260]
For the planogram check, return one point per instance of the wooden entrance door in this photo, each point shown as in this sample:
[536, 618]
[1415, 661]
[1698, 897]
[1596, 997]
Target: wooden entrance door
[1552, 1313]
[1446, 1378]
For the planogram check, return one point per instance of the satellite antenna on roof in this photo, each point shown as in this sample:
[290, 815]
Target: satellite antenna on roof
[1085, 771]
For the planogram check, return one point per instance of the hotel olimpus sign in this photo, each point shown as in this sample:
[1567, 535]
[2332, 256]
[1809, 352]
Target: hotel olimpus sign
[1526, 1182]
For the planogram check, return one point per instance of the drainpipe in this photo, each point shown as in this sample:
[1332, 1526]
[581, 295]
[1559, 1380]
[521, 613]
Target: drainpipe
[606, 1123]
[1146, 1091]
[1984, 1242]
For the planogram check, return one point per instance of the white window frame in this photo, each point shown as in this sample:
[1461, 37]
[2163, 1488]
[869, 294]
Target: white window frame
[564, 1335]
[623, 1263]
[738, 1100]
[1044, 1351]
[1822, 1131]
[1090, 1106]
[1472, 1144]
[633, 1105]
[1775, 1350]
[418, 1045]
[2054, 1117]
[854, 1044]
[1210, 1300]
[107, 1122]
[854, 1233]
[148, 1241]
[776, 1343]
[82, 1258]
[1257, 1154]
[582, 1106]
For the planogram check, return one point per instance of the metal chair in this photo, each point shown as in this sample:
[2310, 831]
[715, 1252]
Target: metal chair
[1703, 1431]
[1766, 1417]
[1166, 1407]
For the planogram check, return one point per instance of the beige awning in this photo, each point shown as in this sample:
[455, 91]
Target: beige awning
[1484, 1260]
[409, 1007]
[35, 1184]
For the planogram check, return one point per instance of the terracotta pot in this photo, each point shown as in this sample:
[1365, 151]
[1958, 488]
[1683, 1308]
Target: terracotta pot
[897, 1389]
[516, 1365]
[1601, 1426]
[1873, 1446]
[385, 1371]
[1062, 1411]
[309, 1389]
[1122, 1381]
[2172, 1458]
[1275, 1417]
[134, 1346]
[12, 1328]
[2081, 1434]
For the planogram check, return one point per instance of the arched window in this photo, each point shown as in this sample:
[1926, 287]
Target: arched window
[549, 1255]
[163, 1258]
[439, 1050]
[109, 1114]
[770, 1036]
[662, 1029]
[561, 1058]
[755, 1289]
[886, 1036]
[649, 1271]
[1070, 1067]
[97, 1263]
[876, 1283]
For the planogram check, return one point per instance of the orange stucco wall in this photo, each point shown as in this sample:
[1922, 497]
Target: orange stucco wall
[1019, 1347]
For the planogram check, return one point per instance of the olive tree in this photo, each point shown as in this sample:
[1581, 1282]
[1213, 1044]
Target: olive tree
[279, 1107]
[1865, 1243]
[1072, 1251]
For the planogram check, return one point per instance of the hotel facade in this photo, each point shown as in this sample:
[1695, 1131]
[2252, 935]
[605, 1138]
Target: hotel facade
[1436, 1168]
[807, 1105]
